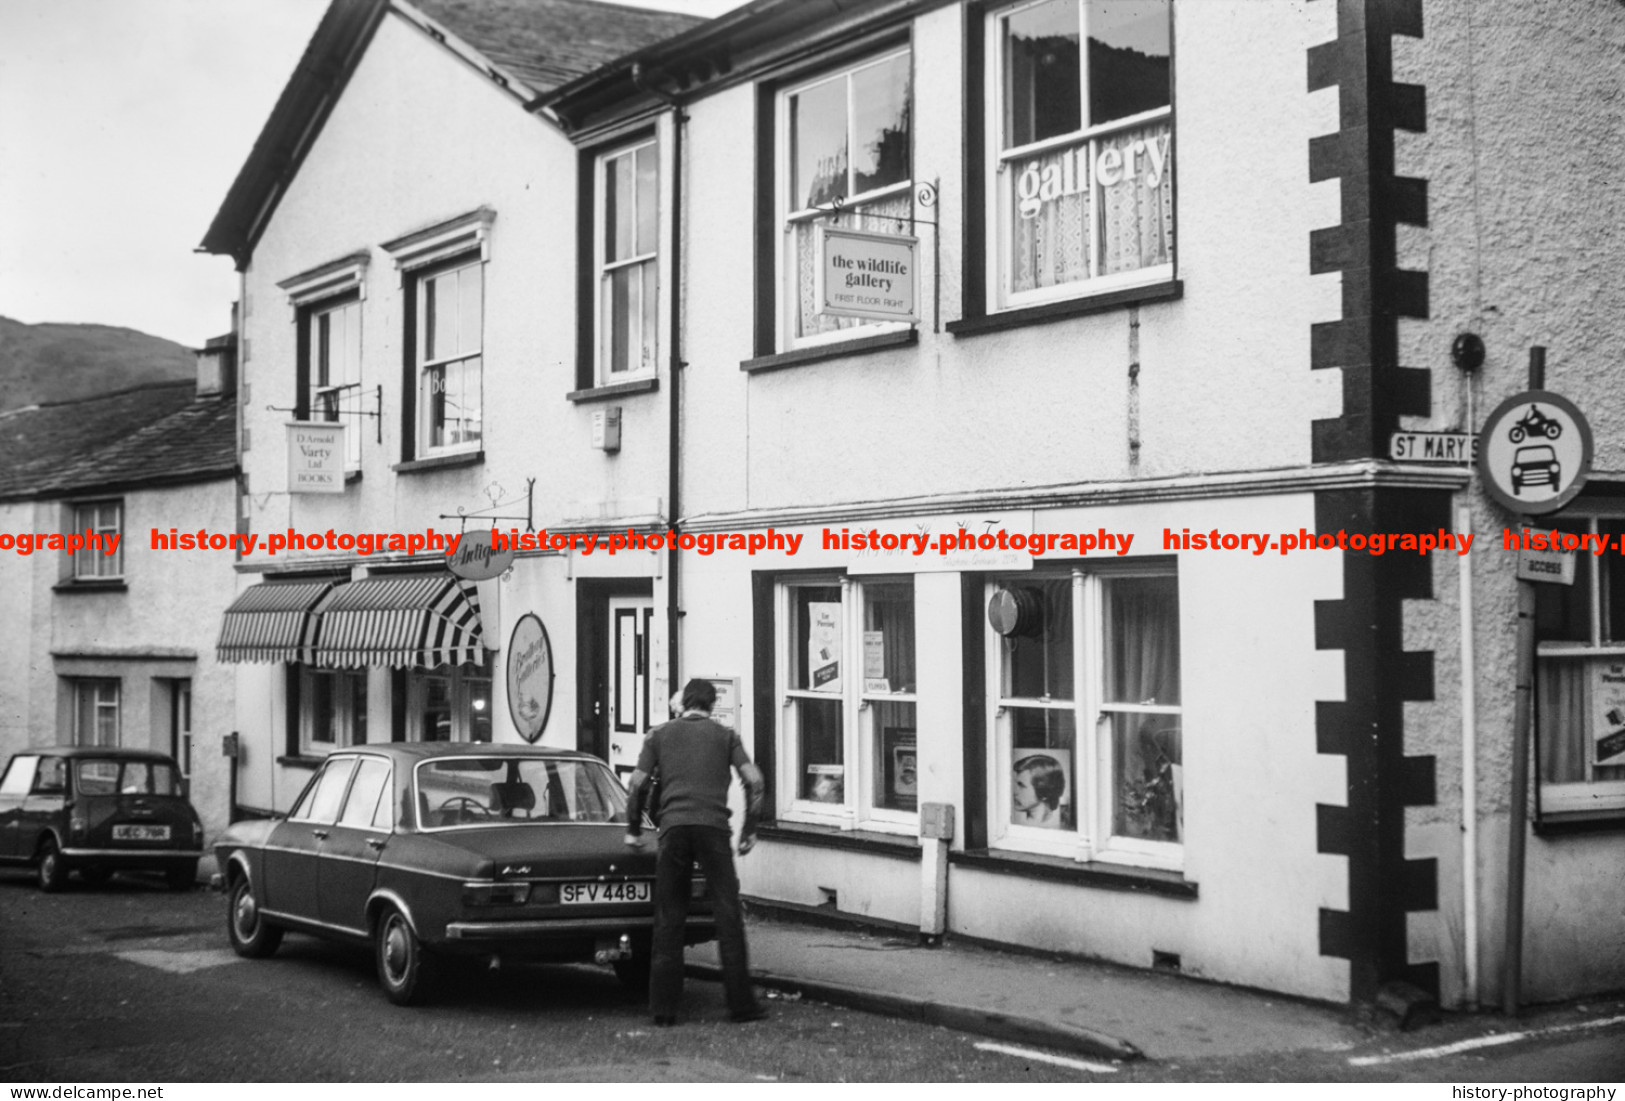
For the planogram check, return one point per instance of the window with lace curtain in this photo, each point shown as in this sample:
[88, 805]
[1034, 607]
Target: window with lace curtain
[1580, 682]
[1081, 128]
[844, 142]
[1086, 759]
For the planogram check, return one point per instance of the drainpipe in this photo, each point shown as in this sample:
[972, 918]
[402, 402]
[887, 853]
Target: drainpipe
[674, 404]
[1469, 728]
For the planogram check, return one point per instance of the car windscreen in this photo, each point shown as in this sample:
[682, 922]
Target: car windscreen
[486, 791]
[108, 777]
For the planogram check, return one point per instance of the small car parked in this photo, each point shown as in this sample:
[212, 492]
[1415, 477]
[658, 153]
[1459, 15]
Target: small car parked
[97, 810]
[432, 850]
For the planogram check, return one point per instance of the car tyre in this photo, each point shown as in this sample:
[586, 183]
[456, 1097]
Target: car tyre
[405, 970]
[182, 877]
[53, 872]
[251, 935]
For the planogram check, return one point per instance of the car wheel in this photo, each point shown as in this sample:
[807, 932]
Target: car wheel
[96, 877]
[404, 969]
[251, 935]
[182, 877]
[53, 873]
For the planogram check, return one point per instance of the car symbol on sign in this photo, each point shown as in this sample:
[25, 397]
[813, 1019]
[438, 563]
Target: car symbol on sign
[1536, 465]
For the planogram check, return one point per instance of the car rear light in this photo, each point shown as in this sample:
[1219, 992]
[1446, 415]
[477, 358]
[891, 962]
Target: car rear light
[76, 826]
[496, 894]
[545, 894]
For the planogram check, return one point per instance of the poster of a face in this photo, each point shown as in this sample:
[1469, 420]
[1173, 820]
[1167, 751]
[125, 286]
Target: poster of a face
[1041, 788]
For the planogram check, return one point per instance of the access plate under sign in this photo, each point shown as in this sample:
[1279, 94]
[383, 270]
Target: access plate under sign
[1553, 567]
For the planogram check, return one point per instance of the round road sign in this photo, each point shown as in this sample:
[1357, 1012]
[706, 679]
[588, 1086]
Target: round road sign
[1534, 452]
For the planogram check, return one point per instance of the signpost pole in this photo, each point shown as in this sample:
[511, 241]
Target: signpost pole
[1517, 809]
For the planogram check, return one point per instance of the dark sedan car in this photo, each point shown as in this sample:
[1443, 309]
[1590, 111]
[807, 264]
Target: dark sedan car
[428, 851]
[98, 810]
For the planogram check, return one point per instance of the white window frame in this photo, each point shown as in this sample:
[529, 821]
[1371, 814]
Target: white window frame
[338, 402]
[1589, 794]
[1091, 838]
[784, 258]
[1001, 178]
[604, 268]
[424, 366]
[344, 713]
[108, 696]
[858, 733]
[94, 563]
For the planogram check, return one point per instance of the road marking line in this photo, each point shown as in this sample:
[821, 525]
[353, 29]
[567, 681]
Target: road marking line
[1495, 1040]
[1046, 1057]
[180, 963]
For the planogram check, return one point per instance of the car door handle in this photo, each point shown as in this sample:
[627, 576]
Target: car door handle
[376, 844]
[320, 835]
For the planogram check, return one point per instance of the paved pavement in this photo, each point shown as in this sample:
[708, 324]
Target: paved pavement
[1088, 1008]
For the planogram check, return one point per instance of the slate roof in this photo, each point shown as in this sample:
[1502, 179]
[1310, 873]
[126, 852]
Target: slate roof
[546, 43]
[149, 435]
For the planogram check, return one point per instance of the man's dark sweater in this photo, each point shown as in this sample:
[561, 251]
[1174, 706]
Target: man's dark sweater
[693, 755]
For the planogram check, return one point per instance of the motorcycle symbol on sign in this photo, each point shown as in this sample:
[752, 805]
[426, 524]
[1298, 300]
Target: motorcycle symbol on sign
[1536, 424]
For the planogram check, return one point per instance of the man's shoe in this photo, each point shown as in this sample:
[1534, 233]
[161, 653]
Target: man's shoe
[743, 1016]
[665, 1022]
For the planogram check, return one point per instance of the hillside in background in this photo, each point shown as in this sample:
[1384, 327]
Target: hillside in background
[59, 362]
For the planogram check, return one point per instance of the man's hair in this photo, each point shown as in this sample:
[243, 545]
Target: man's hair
[699, 695]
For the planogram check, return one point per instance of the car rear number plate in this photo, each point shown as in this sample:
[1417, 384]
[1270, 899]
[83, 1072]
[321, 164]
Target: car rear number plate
[140, 833]
[637, 890]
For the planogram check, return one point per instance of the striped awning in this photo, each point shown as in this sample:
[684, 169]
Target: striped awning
[399, 621]
[271, 621]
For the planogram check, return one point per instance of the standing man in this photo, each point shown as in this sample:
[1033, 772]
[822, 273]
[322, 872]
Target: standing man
[691, 756]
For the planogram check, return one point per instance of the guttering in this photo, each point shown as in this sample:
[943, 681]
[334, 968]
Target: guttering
[679, 119]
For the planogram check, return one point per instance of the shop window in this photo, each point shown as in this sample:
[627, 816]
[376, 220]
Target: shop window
[850, 735]
[96, 717]
[448, 342]
[627, 224]
[449, 704]
[103, 520]
[332, 707]
[1080, 149]
[844, 142]
[1580, 681]
[1084, 695]
[329, 369]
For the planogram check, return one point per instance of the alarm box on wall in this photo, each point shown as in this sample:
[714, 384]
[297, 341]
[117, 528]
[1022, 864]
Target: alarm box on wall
[606, 428]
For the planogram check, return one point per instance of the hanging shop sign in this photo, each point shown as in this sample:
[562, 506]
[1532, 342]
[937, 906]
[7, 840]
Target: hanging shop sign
[1444, 448]
[315, 457]
[477, 559]
[1535, 452]
[865, 274]
[530, 677]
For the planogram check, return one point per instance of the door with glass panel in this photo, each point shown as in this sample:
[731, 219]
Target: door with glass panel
[630, 709]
